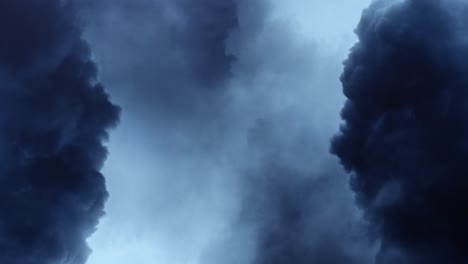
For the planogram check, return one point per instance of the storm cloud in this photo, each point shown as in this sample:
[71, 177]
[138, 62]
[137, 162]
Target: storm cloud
[54, 117]
[404, 139]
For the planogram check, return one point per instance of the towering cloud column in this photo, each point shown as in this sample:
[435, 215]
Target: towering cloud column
[53, 119]
[405, 136]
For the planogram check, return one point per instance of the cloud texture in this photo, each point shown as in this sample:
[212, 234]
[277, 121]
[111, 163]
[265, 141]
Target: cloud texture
[53, 118]
[226, 100]
[404, 137]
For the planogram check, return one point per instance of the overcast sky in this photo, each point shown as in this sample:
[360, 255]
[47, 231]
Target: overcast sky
[233, 132]
[190, 165]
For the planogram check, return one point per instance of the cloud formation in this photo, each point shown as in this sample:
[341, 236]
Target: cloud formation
[53, 118]
[404, 136]
[227, 102]
[297, 197]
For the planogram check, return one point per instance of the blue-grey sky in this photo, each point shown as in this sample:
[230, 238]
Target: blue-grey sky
[233, 131]
[175, 202]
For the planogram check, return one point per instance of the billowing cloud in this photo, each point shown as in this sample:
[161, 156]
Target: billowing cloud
[404, 136]
[54, 118]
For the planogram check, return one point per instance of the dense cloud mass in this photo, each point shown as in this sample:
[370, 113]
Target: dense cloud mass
[406, 124]
[226, 102]
[53, 120]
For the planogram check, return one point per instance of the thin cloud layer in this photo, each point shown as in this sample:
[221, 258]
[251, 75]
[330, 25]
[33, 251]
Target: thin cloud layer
[225, 99]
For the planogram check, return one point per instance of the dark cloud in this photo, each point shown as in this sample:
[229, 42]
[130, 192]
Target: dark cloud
[53, 119]
[404, 138]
